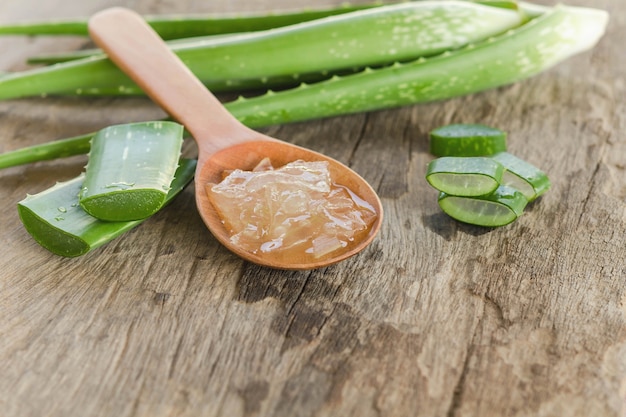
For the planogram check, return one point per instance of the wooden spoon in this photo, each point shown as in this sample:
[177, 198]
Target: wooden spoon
[223, 142]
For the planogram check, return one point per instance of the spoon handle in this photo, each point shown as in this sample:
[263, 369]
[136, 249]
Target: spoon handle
[138, 51]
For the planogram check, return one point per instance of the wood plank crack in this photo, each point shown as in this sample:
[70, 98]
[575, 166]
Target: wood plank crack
[457, 393]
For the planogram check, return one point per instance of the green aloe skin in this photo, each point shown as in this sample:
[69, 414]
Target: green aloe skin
[467, 140]
[130, 170]
[77, 145]
[562, 32]
[522, 175]
[56, 221]
[182, 26]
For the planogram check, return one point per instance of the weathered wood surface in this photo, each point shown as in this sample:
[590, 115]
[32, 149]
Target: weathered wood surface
[435, 319]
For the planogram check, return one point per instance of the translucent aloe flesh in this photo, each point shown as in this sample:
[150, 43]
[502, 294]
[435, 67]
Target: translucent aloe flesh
[465, 176]
[370, 37]
[130, 170]
[523, 176]
[56, 221]
[499, 208]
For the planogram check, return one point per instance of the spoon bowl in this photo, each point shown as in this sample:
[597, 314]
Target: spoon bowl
[223, 142]
[246, 156]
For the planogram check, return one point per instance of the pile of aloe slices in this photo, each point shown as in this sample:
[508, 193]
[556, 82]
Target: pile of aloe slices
[479, 182]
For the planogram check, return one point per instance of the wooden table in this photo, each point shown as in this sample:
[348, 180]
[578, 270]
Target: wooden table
[436, 318]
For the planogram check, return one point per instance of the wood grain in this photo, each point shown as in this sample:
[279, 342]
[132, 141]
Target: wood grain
[436, 318]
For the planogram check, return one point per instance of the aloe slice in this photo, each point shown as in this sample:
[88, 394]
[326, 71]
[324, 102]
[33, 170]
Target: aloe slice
[523, 176]
[499, 208]
[467, 140]
[464, 176]
[130, 170]
[58, 223]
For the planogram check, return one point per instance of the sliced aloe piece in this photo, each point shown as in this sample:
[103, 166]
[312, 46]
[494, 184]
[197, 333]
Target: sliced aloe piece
[523, 176]
[465, 176]
[130, 170]
[58, 223]
[467, 140]
[499, 208]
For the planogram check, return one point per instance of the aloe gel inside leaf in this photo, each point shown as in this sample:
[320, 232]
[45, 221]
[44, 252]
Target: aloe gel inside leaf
[130, 170]
[464, 176]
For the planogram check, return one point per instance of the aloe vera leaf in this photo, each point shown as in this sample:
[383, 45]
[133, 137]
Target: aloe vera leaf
[56, 221]
[523, 176]
[532, 10]
[507, 59]
[77, 145]
[185, 26]
[504, 4]
[466, 140]
[464, 176]
[130, 170]
[520, 53]
[375, 36]
[195, 36]
[237, 86]
[499, 208]
[86, 53]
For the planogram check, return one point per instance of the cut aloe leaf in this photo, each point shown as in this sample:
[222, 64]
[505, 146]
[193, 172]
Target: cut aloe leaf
[130, 170]
[523, 176]
[467, 140]
[499, 208]
[465, 176]
[58, 223]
